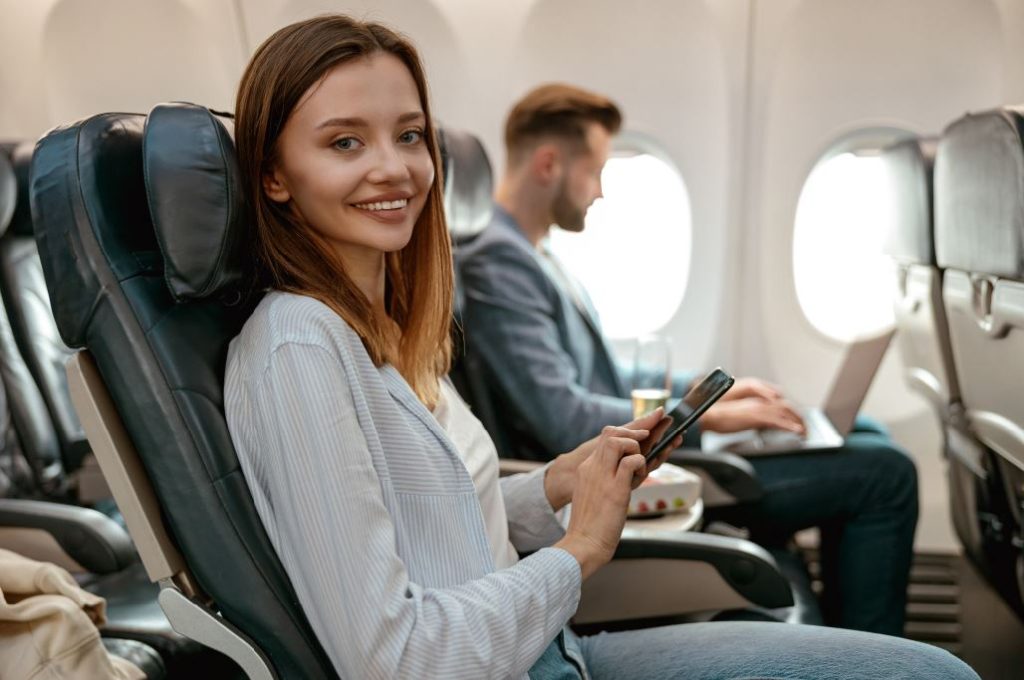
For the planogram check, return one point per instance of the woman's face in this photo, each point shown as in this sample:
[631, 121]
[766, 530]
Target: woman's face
[352, 160]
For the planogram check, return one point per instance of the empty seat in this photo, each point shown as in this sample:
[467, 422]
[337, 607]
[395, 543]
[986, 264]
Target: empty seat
[28, 306]
[923, 336]
[979, 241]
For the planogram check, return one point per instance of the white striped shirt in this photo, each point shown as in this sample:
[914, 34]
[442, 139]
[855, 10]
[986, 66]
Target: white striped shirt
[374, 516]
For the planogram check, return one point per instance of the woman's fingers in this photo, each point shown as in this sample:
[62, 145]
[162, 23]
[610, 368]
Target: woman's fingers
[625, 432]
[632, 470]
[656, 434]
[648, 421]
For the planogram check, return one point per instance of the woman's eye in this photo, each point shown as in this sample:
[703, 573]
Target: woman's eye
[347, 144]
[410, 136]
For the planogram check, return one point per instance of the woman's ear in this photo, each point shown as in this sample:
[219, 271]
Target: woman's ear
[274, 187]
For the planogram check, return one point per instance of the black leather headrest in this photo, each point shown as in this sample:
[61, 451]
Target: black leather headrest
[908, 166]
[87, 177]
[8, 192]
[467, 183]
[195, 197]
[979, 194]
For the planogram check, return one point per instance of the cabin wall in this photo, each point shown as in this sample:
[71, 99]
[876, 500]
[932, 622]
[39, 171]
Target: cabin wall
[744, 97]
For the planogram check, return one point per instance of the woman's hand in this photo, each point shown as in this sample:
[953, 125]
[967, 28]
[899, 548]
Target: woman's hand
[560, 478]
[613, 468]
[752, 413]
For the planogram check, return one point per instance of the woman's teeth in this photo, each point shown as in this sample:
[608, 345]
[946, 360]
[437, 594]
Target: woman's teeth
[384, 205]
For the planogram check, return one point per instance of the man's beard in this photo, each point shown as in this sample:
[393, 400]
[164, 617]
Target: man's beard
[565, 214]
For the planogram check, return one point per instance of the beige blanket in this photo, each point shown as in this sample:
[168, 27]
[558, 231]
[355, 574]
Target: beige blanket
[48, 626]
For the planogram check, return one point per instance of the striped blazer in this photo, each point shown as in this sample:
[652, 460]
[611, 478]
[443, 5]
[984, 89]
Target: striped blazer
[374, 515]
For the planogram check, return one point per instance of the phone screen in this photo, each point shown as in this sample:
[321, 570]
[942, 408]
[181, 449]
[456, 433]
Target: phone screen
[692, 406]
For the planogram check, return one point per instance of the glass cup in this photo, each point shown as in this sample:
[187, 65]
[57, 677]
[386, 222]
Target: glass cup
[652, 380]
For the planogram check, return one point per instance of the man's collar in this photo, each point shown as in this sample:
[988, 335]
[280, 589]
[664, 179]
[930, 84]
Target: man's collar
[506, 220]
[503, 218]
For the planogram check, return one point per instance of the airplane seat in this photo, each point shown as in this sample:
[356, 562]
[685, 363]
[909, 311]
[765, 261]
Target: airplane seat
[28, 438]
[148, 285]
[43, 352]
[979, 241]
[923, 336]
[88, 544]
[466, 173]
[31, 316]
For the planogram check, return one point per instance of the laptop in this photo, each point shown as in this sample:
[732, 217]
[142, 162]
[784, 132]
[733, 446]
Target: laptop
[827, 426]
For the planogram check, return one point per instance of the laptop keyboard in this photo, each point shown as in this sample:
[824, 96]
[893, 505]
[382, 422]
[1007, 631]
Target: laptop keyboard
[776, 438]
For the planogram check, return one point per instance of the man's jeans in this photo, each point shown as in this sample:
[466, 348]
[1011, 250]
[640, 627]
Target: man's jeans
[864, 499]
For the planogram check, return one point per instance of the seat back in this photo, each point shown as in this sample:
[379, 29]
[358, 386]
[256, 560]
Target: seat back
[923, 336]
[468, 184]
[979, 231]
[28, 306]
[979, 242]
[151, 288]
[16, 475]
[33, 432]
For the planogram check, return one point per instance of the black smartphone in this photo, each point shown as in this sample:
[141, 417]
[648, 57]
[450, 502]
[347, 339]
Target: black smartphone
[692, 406]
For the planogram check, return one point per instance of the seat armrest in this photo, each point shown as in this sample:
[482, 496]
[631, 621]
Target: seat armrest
[88, 537]
[728, 478]
[657, 574]
[748, 568]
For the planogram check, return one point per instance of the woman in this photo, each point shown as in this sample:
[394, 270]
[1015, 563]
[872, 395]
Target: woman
[375, 484]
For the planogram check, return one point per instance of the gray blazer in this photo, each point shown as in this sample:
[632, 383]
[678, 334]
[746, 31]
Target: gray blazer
[553, 377]
[373, 513]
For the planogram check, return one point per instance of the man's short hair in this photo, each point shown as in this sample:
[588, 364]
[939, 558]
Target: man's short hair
[560, 111]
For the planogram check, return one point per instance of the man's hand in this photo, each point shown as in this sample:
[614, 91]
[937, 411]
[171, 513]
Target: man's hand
[745, 388]
[752, 413]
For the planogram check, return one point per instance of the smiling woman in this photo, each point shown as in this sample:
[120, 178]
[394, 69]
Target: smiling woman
[341, 164]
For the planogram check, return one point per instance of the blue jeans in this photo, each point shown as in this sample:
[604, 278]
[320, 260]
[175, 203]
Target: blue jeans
[864, 499]
[747, 650]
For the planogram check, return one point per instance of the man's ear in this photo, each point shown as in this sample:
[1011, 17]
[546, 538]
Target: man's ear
[274, 186]
[546, 163]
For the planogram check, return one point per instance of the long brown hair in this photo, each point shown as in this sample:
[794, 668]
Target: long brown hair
[291, 256]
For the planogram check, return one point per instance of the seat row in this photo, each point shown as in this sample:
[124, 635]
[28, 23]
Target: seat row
[137, 219]
[138, 222]
[957, 236]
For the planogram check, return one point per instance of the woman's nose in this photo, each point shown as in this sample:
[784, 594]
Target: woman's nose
[389, 165]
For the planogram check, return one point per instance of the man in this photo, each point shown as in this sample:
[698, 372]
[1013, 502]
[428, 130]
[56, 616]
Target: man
[556, 383]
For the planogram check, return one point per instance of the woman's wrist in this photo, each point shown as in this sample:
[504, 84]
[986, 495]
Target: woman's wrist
[560, 480]
[585, 552]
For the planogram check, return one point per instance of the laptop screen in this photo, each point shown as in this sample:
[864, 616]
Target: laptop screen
[853, 380]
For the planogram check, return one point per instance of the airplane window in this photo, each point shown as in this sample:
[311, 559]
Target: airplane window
[844, 281]
[633, 256]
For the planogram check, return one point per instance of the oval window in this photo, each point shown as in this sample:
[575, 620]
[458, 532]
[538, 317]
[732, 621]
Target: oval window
[633, 255]
[844, 281]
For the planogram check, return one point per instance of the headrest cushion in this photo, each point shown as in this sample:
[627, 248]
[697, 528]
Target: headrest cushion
[467, 183]
[908, 166]
[195, 197]
[8, 192]
[979, 194]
